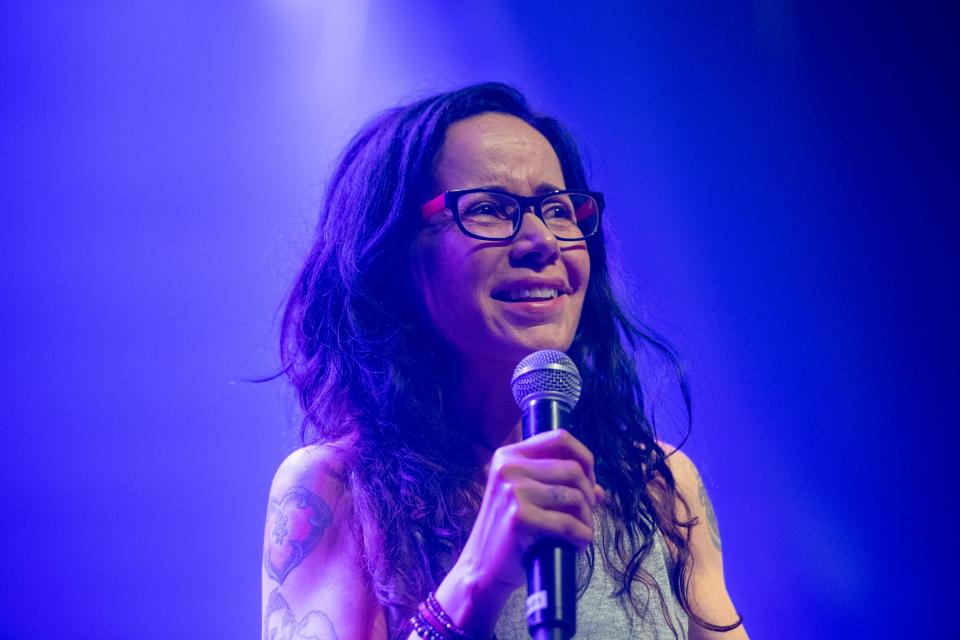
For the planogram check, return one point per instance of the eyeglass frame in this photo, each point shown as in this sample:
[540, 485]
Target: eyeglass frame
[448, 200]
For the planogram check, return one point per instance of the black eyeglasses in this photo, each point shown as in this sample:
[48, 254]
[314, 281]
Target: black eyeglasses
[490, 214]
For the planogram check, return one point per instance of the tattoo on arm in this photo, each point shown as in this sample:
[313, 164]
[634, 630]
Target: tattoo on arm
[279, 623]
[711, 515]
[296, 523]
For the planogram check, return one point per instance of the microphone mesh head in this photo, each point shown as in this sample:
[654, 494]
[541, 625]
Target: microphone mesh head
[546, 373]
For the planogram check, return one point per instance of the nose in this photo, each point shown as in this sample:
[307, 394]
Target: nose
[534, 244]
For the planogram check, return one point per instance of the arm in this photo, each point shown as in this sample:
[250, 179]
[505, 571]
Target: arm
[315, 586]
[708, 591]
[313, 583]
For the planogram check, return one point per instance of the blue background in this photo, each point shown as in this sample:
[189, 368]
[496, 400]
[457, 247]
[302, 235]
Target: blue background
[781, 187]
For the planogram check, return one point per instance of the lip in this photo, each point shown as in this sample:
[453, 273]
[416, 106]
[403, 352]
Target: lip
[515, 286]
[542, 309]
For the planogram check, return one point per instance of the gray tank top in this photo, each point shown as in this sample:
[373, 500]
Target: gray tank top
[602, 616]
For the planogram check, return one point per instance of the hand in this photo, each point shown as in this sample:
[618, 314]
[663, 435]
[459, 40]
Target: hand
[542, 487]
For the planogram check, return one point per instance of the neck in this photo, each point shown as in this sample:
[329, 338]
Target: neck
[482, 409]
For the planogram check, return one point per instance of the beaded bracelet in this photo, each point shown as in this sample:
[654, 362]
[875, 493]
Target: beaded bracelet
[431, 622]
[423, 629]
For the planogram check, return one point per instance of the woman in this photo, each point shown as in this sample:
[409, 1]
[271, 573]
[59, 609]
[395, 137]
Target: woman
[411, 507]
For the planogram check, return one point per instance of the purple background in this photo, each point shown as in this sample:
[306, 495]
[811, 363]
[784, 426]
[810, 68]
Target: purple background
[777, 178]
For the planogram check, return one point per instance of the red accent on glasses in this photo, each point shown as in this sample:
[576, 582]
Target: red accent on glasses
[587, 209]
[434, 207]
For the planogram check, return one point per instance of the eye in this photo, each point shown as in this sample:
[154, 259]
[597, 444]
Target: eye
[558, 209]
[487, 208]
[491, 209]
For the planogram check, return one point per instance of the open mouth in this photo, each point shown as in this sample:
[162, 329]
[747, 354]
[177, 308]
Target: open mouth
[533, 294]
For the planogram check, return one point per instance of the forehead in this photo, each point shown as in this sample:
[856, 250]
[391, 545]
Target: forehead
[496, 149]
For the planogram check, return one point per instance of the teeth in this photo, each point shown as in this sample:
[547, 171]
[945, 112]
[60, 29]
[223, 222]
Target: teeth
[539, 292]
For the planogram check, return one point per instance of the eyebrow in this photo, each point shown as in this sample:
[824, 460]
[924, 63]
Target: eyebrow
[542, 188]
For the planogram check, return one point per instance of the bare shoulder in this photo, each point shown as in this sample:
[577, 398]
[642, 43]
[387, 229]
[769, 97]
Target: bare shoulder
[697, 502]
[308, 506]
[319, 467]
[708, 591]
[684, 471]
[311, 553]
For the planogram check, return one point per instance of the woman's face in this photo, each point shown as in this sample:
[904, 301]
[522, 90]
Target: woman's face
[470, 287]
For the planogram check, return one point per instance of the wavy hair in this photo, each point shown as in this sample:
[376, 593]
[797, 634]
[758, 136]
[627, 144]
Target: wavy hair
[357, 346]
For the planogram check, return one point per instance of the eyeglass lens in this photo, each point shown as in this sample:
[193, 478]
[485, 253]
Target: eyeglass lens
[570, 216]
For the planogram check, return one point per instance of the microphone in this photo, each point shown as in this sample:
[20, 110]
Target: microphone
[546, 386]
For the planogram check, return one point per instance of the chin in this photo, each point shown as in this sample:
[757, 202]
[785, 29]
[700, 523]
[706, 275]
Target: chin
[502, 347]
[528, 344]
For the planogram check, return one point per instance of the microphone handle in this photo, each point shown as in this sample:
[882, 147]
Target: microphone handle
[550, 564]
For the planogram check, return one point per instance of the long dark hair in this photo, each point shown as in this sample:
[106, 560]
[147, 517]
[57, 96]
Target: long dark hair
[356, 345]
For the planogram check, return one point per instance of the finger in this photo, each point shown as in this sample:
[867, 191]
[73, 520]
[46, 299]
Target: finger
[600, 493]
[554, 472]
[560, 525]
[558, 443]
[557, 497]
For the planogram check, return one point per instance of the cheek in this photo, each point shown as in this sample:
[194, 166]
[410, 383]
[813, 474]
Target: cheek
[448, 280]
[425, 267]
[578, 267]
